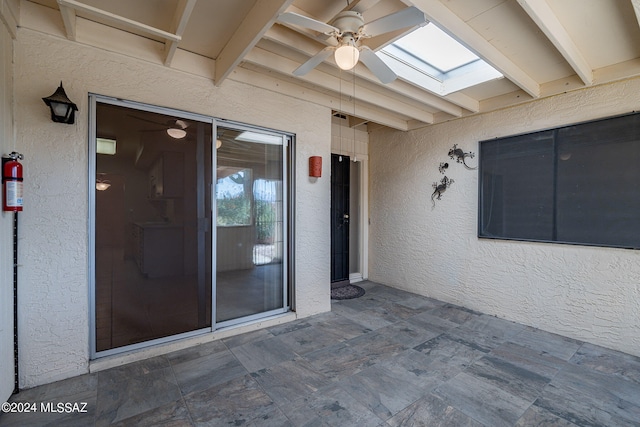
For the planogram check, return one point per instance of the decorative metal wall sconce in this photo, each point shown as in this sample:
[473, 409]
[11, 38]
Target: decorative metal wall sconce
[460, 156]
[440, 188]
[315, 166]
[62, 109]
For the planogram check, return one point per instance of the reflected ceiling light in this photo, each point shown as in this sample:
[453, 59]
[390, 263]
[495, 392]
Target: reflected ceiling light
[218, 143]
[260, 138]
[347, 54]
[106, 146]
[102, 184]
[178, 132]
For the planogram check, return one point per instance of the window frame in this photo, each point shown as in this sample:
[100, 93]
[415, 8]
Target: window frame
[555, 159]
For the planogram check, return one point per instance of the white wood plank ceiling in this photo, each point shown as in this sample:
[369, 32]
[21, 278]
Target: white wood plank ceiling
[542, 47]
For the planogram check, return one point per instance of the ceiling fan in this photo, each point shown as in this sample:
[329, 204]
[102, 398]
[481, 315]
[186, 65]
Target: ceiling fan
[175, 128]
[348, 29]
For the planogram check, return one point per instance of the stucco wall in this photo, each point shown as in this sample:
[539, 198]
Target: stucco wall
[6, 221]
[588, 293]
[54, 312]
[348, 141]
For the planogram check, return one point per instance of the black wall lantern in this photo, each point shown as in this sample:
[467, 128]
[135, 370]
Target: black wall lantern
[62, 109]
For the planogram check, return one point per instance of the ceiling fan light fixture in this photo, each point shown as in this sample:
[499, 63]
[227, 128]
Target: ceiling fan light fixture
[347, 54]
[101, 183]
[177, 133]
[349, 27]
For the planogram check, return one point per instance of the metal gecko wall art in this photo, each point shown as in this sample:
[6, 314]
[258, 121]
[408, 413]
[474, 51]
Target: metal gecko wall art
[460, 156]
[439, 187]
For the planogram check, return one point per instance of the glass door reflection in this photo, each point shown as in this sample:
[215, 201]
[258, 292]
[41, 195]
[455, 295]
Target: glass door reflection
[153, 220]
[250, 255]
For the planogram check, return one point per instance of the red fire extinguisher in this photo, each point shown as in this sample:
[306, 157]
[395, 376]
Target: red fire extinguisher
[12, 183]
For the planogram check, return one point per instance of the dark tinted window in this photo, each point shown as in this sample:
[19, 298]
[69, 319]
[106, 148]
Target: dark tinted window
[575, 184]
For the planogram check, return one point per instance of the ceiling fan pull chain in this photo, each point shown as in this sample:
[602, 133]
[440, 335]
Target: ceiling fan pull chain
[340, 106]
[354, 115]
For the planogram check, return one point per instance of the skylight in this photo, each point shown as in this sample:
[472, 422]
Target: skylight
[433, 46]
[429, 58]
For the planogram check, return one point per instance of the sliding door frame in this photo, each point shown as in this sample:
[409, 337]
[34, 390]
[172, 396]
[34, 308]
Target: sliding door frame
[94, 99]
[288, 193]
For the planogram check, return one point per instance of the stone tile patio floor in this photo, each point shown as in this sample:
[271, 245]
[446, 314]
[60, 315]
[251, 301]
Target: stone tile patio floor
[389, 358]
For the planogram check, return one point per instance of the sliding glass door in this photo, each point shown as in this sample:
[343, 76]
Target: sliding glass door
[171, 205]
[251, 216]
[153, 216]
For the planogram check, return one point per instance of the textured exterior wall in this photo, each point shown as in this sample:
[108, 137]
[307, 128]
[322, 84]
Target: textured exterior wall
[6, 221]
[349, 141]
[54, 312]
[588, 293]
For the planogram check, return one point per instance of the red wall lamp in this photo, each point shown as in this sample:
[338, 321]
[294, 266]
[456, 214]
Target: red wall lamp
[315, 166]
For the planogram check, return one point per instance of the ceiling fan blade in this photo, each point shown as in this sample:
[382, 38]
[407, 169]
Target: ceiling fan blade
[142, 119]
[376, 65]
[175, 123]
[408, 17]
[303, 21]
[314, 61]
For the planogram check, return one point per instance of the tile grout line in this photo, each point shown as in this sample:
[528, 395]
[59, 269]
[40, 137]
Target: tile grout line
[256, 382]
[182, 396]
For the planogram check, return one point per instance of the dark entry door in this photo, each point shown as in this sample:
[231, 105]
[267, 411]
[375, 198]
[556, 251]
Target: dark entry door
[339, 220]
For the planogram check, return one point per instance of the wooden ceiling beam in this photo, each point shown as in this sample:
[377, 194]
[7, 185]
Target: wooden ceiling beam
[179, 24]
[636, 9]
[116, 20]
[10, 16]
[69, 20]
[451, 104]
[332, 83]
[356, 121]
[257, 77]
[548, 22]
[360, 6]
[453, 25]
[259, 19]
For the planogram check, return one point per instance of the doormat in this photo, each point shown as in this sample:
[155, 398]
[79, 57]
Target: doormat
[347, 292]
